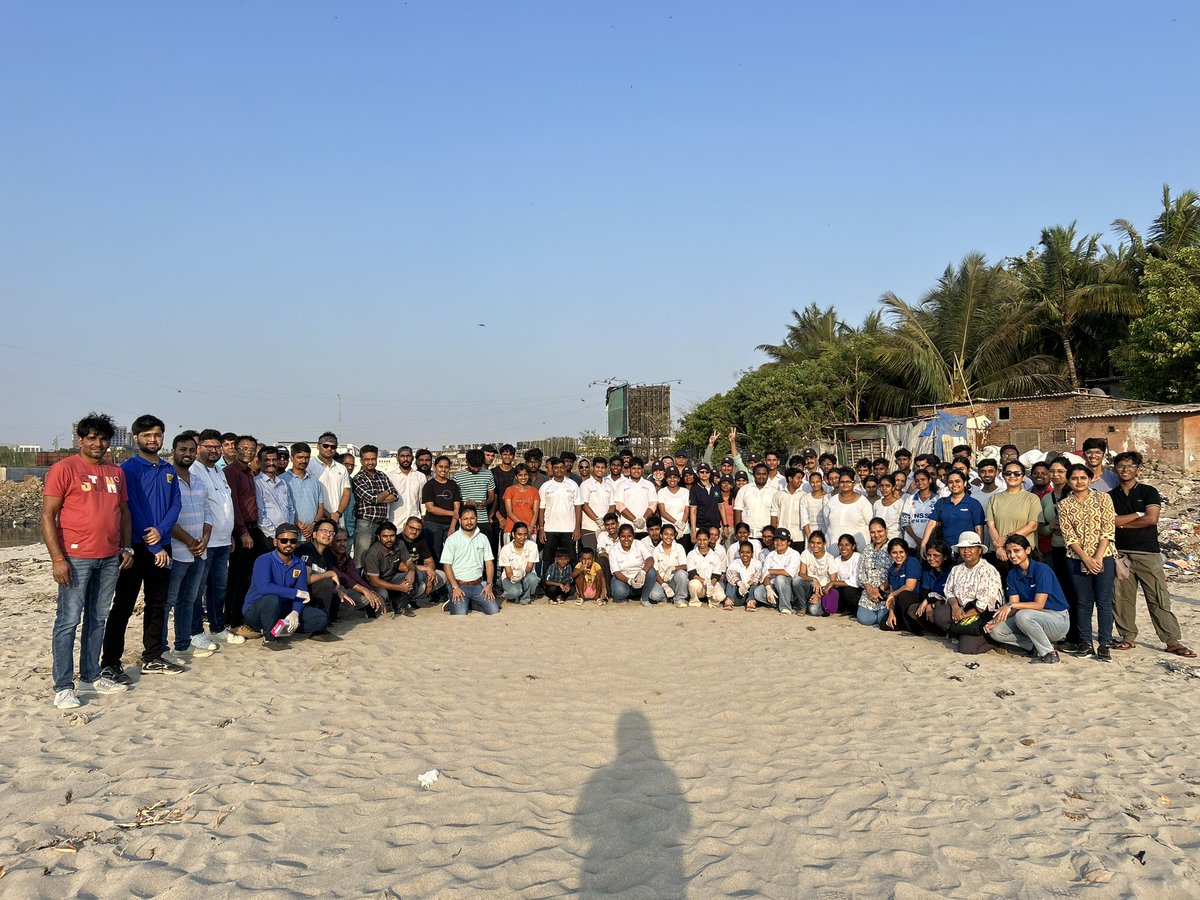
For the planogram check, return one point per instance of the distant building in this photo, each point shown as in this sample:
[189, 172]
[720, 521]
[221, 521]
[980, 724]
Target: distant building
[28, 448]
[120, 438]
[1166, 433]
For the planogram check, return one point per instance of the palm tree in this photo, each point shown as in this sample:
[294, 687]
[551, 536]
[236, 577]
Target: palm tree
[812, 328]
[1072, 279]
[968, 337]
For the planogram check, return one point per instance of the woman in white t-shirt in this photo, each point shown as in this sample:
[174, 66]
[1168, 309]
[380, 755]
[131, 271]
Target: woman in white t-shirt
[843, 578]
[673, 502]
[518, 580]
[744, 579]
[814, 566]
[812, 507]
[889, 506]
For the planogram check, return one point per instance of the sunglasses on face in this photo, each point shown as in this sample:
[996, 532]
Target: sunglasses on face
[291, 540]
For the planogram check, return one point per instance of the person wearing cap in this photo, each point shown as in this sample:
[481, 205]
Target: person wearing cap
[755, 503]
[673, 507]
[279, 592]
[632, 567]
[808, 462]
[681, 459]
[973, 593]
[782, 568]
[658, 475]
[704, 501]
[1036, 613]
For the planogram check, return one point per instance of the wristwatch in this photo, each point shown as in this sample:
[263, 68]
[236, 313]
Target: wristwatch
[128, 550]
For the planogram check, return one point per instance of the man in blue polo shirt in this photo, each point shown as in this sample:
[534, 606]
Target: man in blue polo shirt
[154, 504]
[279, 591]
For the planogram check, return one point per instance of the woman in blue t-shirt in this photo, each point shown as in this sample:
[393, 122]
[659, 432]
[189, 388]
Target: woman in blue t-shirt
[918, 617]
[903, 578]
[1036, 614]
[955, 515]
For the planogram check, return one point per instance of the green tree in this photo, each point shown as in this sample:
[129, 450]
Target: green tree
[1161, 355]
[812, 330]
[969, 336]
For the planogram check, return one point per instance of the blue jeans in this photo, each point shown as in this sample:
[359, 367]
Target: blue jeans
[1094, 591]
[186, 580]
[473, 599]
[521, 591]
[621, 591]
[679, 584]
[89, 596]
[758, 594]
[869, 617]
[216, 580]
[263, 613]
[788, 588]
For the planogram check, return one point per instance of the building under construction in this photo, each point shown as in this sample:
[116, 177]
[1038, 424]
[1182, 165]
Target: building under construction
[650, 420]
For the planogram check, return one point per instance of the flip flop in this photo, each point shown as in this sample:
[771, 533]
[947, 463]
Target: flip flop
[1120, 645]
[1180, 650]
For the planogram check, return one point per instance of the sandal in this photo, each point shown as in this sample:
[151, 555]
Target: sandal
[728, 604]
[579, 602]
[1120, 645]
[751, 605]
[1180, 650]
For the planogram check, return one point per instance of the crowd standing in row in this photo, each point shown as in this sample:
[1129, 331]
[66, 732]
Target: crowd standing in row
[264, 542]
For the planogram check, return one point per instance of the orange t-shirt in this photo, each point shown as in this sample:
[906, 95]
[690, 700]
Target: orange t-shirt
[522, 500]
[89, 521]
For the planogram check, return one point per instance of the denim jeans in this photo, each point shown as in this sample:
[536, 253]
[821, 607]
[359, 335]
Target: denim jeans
[788, 589]
[89, 596]
[263, 613]
[184, 590]
[1094, 591]
[1033, 629]
[621, 591]
[520, 591]
[364, 536]
[216, 582]
[758, 594]
[679, 584]
[473, 599]
[872, 617]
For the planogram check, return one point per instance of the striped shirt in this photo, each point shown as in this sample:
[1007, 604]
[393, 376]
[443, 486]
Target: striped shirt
[474, 487]
[274, 503]
[194, 514]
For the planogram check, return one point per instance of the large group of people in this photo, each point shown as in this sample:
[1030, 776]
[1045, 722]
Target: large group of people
[227, 540]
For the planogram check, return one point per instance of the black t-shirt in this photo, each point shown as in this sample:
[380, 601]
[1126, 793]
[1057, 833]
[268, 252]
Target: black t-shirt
[1137, 540]
[380, 562]
[441, 495]
[417, 550]
[313, 558]
[504, 480]
[708, 505]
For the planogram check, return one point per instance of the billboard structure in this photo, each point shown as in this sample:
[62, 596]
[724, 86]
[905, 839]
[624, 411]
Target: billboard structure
[650, 419]
[616, 401]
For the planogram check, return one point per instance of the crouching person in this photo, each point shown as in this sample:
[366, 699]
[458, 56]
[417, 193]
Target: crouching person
[670, 564]
[1036, 614]
[470, 568]
[783, 576]
[706, 568]
[279, 593]
[518, 561]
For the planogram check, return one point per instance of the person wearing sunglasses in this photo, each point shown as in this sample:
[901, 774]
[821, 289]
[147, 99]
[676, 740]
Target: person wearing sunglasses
[1014, 511]
[279, 593]
[335, 480]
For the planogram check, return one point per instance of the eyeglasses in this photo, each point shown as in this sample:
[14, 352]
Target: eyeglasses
[329, 446]
[288, 540]
[1126, 466]
[1014, 474]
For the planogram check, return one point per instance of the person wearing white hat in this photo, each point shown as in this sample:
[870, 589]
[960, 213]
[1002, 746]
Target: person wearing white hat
[973, 590]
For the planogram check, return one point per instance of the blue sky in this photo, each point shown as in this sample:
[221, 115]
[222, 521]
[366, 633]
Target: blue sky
[228, 214]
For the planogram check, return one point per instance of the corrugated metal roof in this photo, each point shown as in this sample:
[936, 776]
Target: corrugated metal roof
[1161, 409]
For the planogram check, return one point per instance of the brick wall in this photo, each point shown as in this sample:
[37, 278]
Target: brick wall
[1145, 435]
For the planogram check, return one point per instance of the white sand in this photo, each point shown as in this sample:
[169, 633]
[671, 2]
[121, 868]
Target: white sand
[651, 753]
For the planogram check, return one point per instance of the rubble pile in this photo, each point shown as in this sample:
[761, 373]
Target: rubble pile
[21, 502]
[1179, 525]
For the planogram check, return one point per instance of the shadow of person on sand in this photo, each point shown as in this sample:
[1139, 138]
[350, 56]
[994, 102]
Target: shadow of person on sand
[634, 819]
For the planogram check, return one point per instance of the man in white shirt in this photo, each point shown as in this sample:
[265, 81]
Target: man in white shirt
[755, 503]
[705, 568]
[593, 502]
[789, 503]
[632, 568]
[408, 483]
[220, 540]
[335, 480]
[637, 498]
[557, 522]
[782, 569]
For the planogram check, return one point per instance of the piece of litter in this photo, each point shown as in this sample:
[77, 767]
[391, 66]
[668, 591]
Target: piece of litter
[1028, 742]
[1098, 876]
[1164, 800]
[972, 665]
[428, 778]
[1140, 856]
[1002, 693]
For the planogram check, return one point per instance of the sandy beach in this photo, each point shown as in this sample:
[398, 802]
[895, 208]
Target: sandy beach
[644, 753]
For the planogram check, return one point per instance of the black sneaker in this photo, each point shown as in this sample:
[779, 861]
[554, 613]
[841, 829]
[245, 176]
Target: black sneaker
[161, 666]
[1050, 657]
[117, 674]
[409, 612]
[1084, 651]
[277, 645]
[1104, 653]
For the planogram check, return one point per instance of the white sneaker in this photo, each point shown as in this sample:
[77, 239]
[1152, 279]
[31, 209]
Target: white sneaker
[679, 604]
[203, 646]
[225, 636]
[66, 699]
[105, 685]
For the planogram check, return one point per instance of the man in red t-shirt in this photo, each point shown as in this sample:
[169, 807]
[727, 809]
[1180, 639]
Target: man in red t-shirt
[85, 525]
